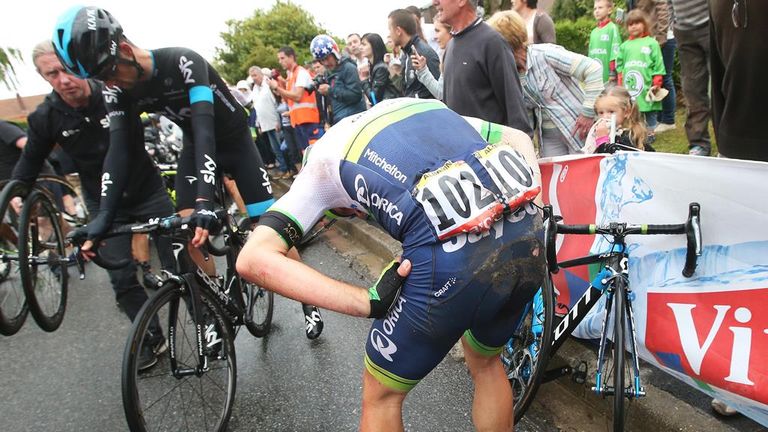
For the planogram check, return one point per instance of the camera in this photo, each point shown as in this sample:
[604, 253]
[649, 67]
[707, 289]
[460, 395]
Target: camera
[316, 82]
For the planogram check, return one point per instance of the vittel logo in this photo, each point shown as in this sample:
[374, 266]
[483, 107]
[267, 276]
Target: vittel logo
[91, 20]
[186, 72]
[376, 201]
[380, 340]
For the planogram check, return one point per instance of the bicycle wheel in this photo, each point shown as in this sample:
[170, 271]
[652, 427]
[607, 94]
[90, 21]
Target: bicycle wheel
[41, 250]
[13, 302]
[259, 306]
[527, 353]
[618, 369]
[163, 399]
[72, 206]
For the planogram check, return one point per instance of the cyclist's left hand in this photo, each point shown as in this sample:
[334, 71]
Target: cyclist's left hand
[205, 221]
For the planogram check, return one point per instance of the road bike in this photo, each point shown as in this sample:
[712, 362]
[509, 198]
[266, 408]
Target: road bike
[193, 385]
[541, 333]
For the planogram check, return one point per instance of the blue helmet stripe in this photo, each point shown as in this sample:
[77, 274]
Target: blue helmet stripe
[64, 23]
[200, 93]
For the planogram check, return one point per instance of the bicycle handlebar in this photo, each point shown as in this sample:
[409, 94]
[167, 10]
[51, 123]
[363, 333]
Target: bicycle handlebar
[691, 228]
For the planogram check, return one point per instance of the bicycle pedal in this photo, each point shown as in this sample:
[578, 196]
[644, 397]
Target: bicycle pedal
[579, 375]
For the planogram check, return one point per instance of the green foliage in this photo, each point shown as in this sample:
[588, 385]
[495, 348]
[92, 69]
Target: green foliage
[574, 35]
[575, 9]
[256, 40]
[7, 72]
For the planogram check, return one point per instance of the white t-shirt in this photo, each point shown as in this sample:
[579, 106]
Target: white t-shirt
[265, 105]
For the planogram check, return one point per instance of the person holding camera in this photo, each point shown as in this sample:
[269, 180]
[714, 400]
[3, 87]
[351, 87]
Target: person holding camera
[342, 84]
[404, 33]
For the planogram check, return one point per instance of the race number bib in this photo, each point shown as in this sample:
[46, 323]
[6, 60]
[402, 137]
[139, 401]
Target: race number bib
[455, 200]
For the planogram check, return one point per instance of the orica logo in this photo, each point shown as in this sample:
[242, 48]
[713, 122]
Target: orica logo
[376, 201]
[383, 344]
[186, 72]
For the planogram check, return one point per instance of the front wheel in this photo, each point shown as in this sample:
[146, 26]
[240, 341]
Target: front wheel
[178, 390]
[42, 267]
[618, 356]
[527, 353]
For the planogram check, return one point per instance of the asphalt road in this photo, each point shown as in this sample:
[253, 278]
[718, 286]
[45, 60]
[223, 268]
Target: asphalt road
[69, 380]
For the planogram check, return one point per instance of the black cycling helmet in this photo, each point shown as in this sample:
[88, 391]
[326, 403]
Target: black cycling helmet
[86, 40]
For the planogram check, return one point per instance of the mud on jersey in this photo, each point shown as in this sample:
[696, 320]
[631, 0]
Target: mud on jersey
[423, 172]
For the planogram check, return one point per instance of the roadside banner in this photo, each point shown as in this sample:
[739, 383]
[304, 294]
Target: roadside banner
[710, 330]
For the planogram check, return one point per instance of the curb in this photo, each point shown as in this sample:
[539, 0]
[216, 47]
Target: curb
[658, 411]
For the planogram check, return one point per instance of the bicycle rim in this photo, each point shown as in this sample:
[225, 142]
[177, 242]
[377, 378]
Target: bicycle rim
[259, 307]
[155, 400]
[13, 302]
[618, 359]
[41, 249]
[526, 355]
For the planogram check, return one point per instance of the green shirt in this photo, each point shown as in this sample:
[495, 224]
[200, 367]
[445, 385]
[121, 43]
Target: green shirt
[639, 61]
[604, 46]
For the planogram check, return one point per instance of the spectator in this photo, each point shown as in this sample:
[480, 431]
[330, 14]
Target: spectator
[267, 119]
[288, 144]
[691, 28]
[660, 20]
[378, 86]
[630, 128]
[480, 77]
[353, 48]
[323, 105]
[396, 74]
[538, 24]
[560, 87]
[435, 86]
[605, 39]
[641, 68]
[305, 119]
[403, 31]
[343, 86]
[739, 91]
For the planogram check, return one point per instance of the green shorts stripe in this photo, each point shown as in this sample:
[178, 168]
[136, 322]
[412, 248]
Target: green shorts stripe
[389, 379]
[480, 348]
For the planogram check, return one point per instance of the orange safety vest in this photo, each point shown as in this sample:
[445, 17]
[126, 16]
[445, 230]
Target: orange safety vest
[305, 110]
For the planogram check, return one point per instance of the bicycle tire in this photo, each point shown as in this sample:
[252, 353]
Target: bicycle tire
[525, 357]
[44, 279]
[170, 304]
[13, 302]
[618, 355]
[256, 298]
[74, 218]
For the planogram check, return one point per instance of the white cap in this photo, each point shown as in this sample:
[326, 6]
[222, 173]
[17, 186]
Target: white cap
[243, 84]
[266, 71]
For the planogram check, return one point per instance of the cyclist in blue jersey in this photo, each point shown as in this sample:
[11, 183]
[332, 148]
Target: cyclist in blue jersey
[183, 86]
[457, 193]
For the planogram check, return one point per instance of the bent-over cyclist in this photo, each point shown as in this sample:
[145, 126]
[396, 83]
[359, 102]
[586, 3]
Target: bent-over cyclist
[456, 192]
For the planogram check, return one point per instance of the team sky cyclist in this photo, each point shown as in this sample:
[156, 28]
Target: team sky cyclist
[180, 84]
[455, 191]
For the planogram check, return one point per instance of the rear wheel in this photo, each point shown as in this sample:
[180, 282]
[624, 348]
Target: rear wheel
[41, 261]
[259, 307]
[527, 353]
[13, 302]
[187, 397]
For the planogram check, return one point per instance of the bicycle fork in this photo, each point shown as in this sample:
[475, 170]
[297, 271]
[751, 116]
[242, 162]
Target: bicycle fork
[634, 389]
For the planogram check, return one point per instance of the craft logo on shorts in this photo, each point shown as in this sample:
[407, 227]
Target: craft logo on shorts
[716, 337]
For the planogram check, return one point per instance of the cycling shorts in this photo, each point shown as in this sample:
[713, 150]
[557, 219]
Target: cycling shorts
[239, 159]
[470, 283]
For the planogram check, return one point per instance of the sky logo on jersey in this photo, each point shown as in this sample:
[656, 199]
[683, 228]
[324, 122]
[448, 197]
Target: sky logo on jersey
[209, 173]
[717, 337]
[106, 181]
[371, 201]
[186, 72]
[111, 94]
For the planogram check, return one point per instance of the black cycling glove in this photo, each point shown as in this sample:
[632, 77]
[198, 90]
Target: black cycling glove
[205, 218]
[94, 231]
[385, 291]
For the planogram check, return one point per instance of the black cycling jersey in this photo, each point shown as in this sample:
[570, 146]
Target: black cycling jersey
[9, 153]
[185, 88]
[83, 135]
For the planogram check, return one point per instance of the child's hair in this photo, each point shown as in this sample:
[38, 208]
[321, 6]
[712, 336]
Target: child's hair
[610, 2]
[638, 15]
[632, 121]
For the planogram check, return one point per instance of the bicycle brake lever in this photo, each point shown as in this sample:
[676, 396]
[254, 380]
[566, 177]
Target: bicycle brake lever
[79, 262]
